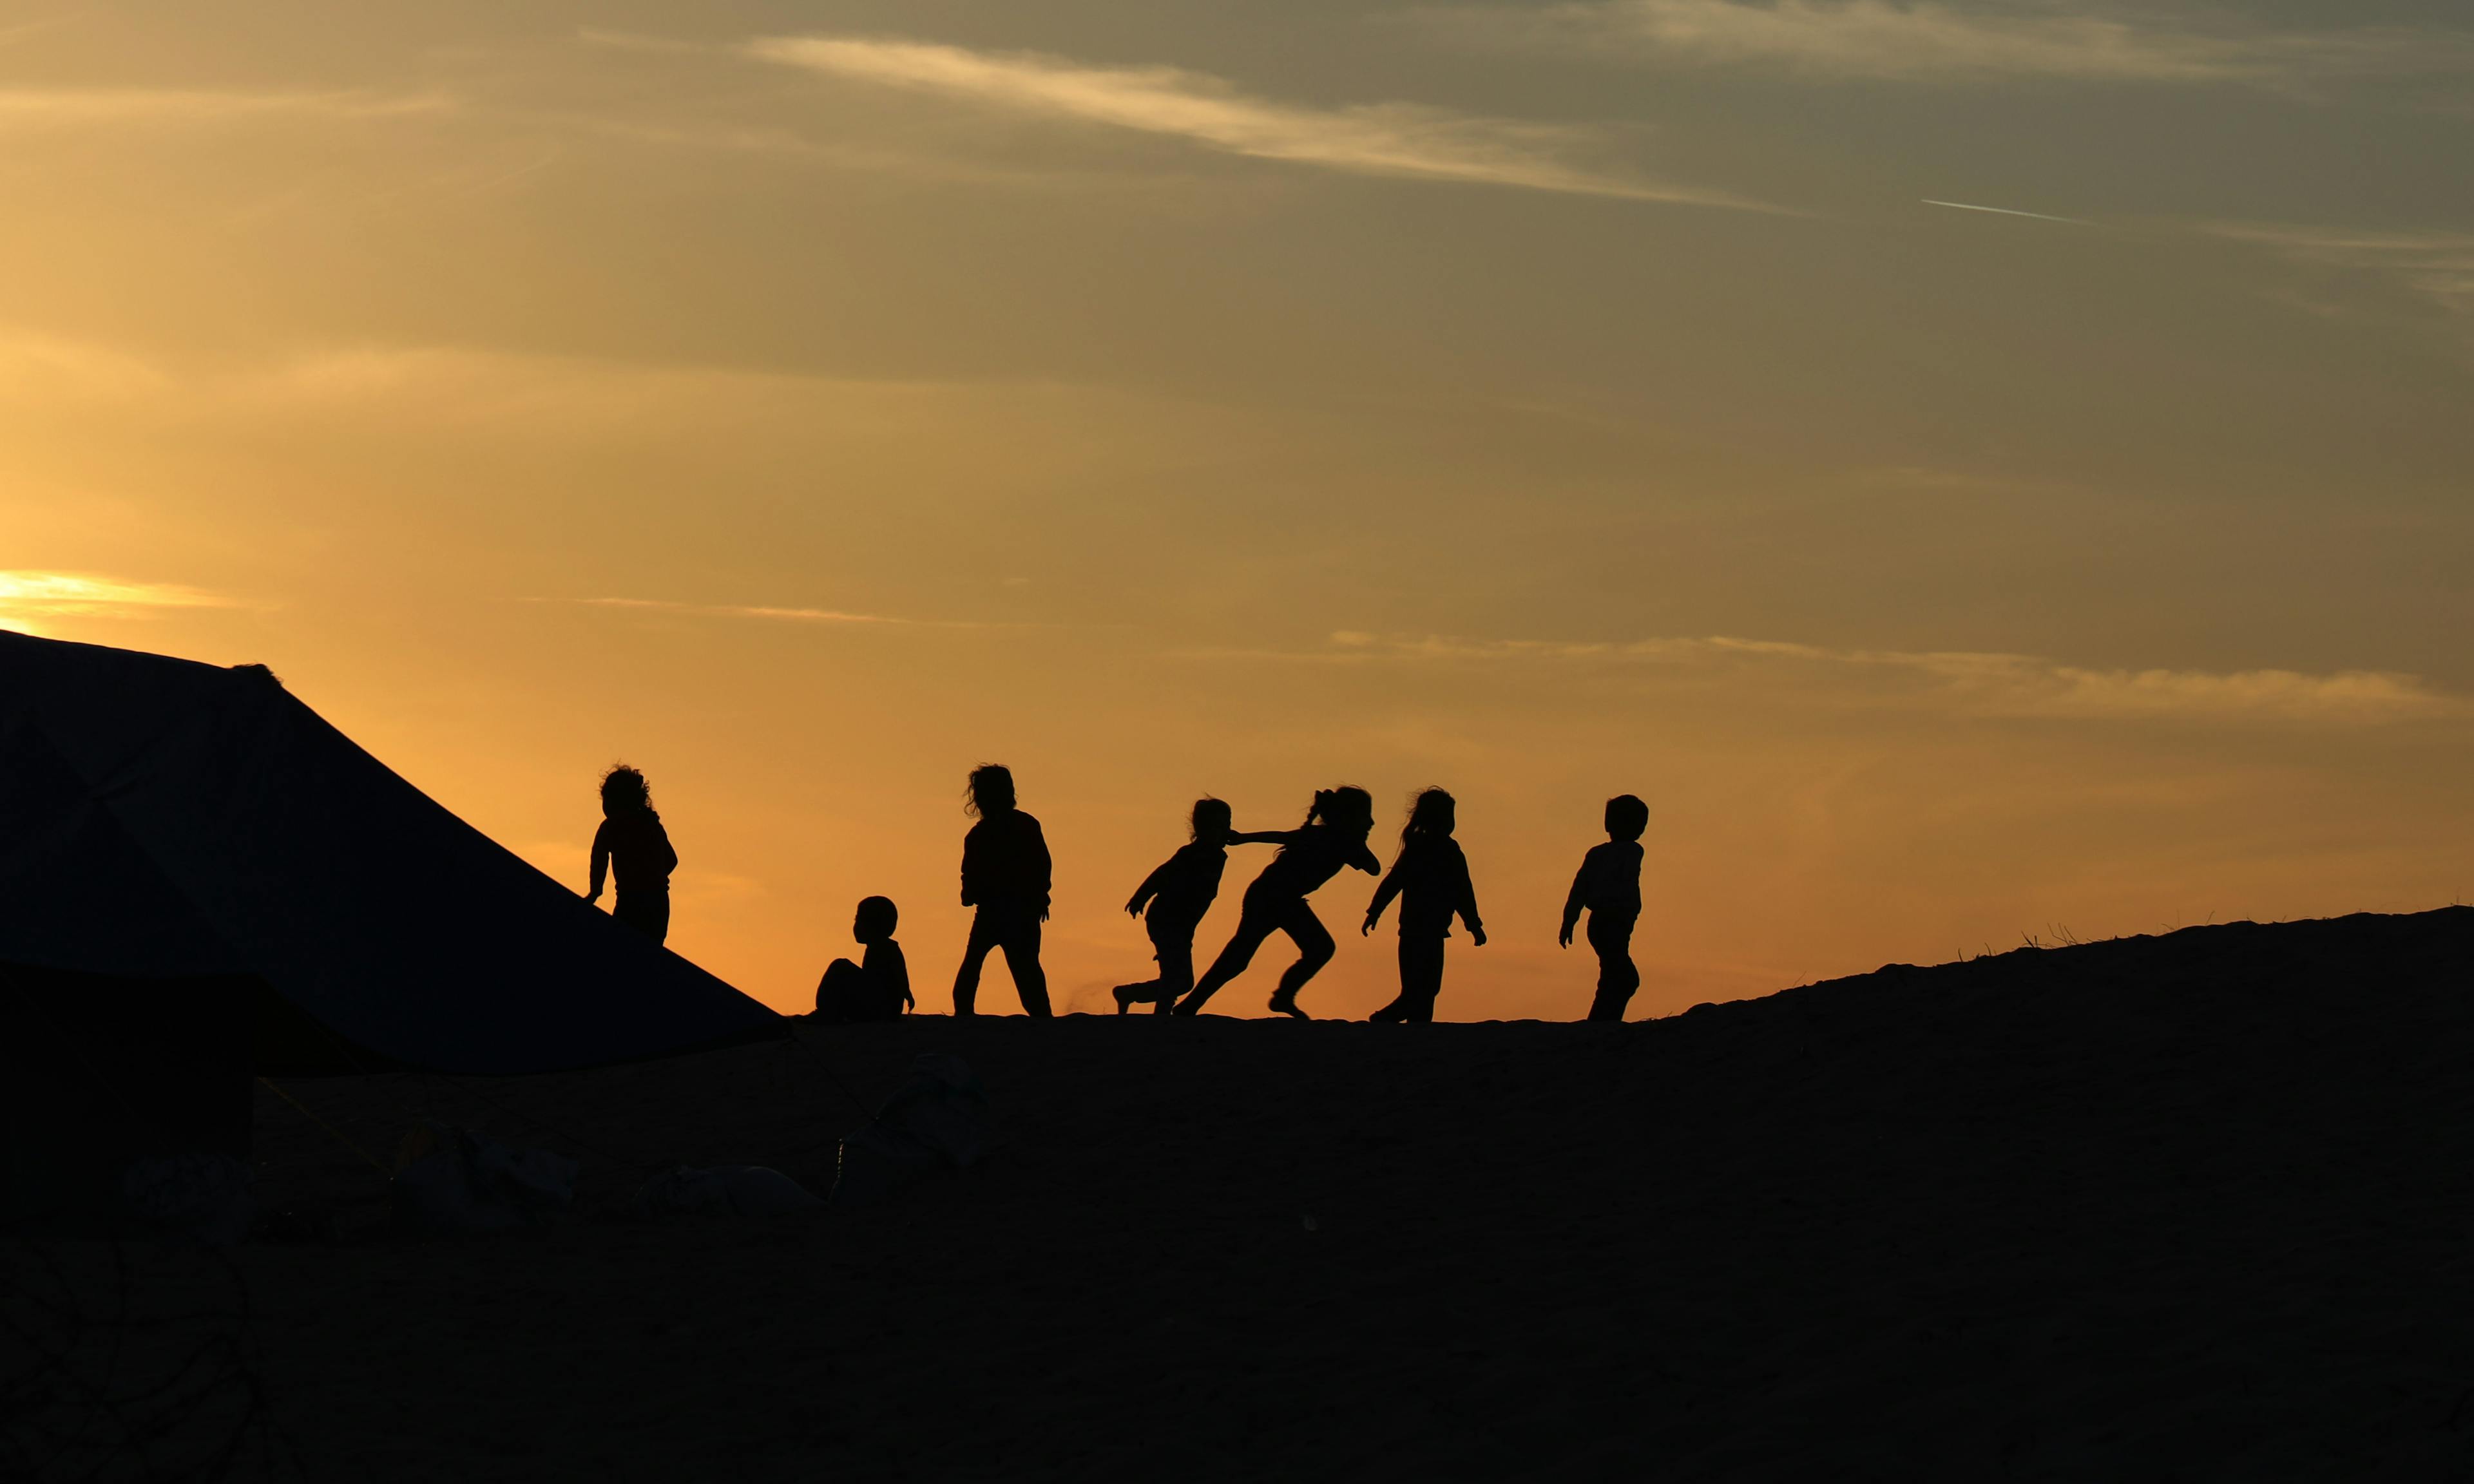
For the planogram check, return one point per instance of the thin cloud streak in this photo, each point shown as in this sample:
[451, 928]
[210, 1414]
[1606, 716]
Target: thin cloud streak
[1996, 684]
[808, 615]
[2437, 266]
[1379, 139]
[1885, 41]
[69, 107]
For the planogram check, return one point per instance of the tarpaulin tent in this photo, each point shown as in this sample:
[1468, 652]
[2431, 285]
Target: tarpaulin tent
[185, 848]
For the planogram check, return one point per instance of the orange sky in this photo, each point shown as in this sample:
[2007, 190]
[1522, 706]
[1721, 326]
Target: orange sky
[805, 403]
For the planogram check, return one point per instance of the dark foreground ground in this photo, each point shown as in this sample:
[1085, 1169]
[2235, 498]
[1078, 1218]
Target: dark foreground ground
[2196, 1206]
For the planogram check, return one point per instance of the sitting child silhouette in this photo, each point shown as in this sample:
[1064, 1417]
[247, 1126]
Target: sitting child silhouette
[1333, 836]
[1178, 894]
[1608, 886]
[876, 988]
[632, 843]
[1004, 876]
[1431, 877]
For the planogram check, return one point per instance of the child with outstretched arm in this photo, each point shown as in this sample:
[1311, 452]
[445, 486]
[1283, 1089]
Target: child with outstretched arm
[1609, 888]
[1177, 893]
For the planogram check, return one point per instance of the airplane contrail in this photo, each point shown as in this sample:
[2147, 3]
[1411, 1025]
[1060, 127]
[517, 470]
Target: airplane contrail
[1961, 206]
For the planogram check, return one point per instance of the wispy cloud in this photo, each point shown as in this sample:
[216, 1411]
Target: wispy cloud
[800, 616]
[1980, 683]
[71, 107]
[2437, 266]
[27, 598]
[1883, 40]
[1379, 139]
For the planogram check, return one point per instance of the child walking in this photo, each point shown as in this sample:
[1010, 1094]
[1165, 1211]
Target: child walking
[1004, 876]
[1609, 887]
[1333, 835]
[1431, 877]
[632, 842]
[876, 988]
[1178, 894]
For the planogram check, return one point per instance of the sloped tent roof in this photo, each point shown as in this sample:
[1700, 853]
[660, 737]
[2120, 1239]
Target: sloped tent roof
[161, 818]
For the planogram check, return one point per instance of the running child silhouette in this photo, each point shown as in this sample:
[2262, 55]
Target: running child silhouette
[632, 842]
[1178, 894]
[1333, 835]
[1609, 887]
[876, 988]
[1004, 876]
[1431, 877]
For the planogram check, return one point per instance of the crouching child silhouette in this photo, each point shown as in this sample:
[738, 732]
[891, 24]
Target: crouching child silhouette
[1609, 887]
[1178, 894]
[1006, 877]
[632, 844]
[876, 988]
[1431, 877]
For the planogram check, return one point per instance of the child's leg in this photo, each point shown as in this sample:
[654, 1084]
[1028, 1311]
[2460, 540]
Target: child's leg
[1421, 977]
[1253, 927]
[966, 979]
[1617, 977]
[837, 991]
[1021, 946]
[1176, 970]
[1315, 949]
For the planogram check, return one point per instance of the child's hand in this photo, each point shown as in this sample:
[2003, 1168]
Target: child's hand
[1134, 908]
[1477, 937]
[1369, 925]
[1563, 939]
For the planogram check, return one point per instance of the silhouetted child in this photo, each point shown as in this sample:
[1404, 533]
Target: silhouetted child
[1333, 836]
[1609, 887]
[1431, 877]
[1179, 892]
[632, 843]
[1004, 876]
[876, 988]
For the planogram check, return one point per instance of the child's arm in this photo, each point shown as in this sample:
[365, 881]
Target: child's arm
[1150, 887]
[1265, 837]
[1468, 906]
[1364, 859]
[1574, 902]
[670, 855]
[600, 861]
[902, 977]
[1383, 895]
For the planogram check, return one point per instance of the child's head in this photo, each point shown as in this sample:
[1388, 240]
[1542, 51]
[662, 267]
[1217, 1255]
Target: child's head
[1431, 814]
[1210, 820]
[1344, 809]
[623, 791]
[1625, 817]
[991, 790]
[874, 919]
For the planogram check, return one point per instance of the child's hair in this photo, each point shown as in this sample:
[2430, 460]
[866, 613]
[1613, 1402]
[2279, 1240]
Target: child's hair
[624, 788]
[1625, 817]
[991, 787]
[876, 917]
[1344, 807]
[1209, 812]
[1430, 814]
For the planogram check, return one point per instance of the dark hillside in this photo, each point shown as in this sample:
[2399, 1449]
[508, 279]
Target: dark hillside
[2190, 1205]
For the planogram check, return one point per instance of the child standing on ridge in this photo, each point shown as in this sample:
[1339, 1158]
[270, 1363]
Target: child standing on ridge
[1431, 877]
[1179, 892]
[1004, 876]
[631, 840]
[876, 988]
[1333, 836]
[1608, 886]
